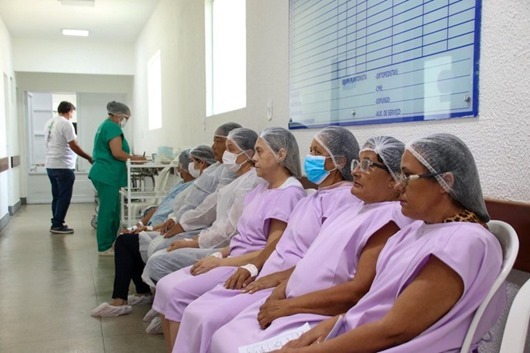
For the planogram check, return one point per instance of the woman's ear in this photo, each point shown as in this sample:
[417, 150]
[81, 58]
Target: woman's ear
[449, 179]
[282, 154]
[341, 162]
[249, 154]
[202, 165]
[392, 183]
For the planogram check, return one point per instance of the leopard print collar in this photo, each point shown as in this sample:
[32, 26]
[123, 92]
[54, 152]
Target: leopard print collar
[465, 216]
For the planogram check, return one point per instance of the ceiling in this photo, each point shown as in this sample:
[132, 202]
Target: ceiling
[107, 20]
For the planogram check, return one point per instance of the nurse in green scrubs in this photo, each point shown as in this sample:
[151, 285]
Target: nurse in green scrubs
[109, 173]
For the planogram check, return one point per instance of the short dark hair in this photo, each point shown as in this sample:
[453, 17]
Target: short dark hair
[224, 129]
[65, 107]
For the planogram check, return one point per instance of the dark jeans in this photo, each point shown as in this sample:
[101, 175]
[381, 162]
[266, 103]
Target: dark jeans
[128, 265]
[62, 181]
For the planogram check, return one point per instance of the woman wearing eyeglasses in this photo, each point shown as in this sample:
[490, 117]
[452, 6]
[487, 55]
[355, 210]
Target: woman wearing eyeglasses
[431, 276]
[338, 268]
[109, 172]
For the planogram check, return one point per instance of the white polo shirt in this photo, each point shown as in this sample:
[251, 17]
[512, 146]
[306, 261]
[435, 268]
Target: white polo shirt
[58, 132]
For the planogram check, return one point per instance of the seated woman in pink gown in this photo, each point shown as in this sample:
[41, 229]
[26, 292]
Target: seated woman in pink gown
[333, 274]
[431, 276]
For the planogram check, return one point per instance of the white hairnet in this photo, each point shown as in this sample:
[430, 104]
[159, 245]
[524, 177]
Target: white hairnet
[244, 139]
[203, 153]
[229, 209]
[447, 154]
[118, 108]
[223, 130]
[184, 159]
[278, 138]
[339, 143]
[389, 151]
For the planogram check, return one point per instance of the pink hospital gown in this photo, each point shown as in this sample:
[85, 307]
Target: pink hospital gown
[469, 249]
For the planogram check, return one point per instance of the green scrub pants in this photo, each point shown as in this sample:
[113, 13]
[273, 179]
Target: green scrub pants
[108, 214]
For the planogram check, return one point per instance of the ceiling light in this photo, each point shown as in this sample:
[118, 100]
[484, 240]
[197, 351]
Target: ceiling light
[75, 32]
[89, 3]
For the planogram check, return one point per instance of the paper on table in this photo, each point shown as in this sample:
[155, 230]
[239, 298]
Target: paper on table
[274, 343]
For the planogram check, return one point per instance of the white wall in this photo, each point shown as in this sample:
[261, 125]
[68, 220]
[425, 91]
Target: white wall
[73, 55]
[57, 82]
[173, 29]
[9, 180]
[499, 137]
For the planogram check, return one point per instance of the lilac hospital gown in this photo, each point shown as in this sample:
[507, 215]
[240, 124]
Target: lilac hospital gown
[469, 249]
[175, 291]
[331, 260]
[218, 306]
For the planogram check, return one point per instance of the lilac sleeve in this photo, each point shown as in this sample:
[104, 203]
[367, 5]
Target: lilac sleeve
[282, 202]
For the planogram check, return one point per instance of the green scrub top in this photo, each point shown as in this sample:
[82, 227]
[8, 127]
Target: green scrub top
[107, 169]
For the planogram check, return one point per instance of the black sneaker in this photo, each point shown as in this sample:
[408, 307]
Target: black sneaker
[61, 230]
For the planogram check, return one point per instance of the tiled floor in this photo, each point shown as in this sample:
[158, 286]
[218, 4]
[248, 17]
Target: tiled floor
[49, 284]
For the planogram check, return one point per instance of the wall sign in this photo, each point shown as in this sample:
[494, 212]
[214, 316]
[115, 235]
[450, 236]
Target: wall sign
[358, 62]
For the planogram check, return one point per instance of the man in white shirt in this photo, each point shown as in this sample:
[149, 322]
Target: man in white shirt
[61, 154]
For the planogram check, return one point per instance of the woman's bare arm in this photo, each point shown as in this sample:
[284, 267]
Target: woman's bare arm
[115, 145]
[337, 299]
[426, 300]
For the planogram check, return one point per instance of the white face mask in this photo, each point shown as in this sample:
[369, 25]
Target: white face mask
[193, 172]
[229, 160]
[123, 122]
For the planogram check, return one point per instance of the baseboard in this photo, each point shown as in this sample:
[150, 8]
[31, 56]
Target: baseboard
[24, 201]
[14, 209]
[4, 221]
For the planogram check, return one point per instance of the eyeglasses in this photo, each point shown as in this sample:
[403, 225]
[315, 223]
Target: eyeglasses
[120, 116]
[404, 179]
[366, 165]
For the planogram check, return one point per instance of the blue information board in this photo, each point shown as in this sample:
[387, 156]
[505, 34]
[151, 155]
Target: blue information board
[357, 62]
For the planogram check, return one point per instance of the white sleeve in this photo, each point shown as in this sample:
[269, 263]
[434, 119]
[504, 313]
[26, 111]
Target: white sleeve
[222, 230]
[68, 132]
[202, 216]
[224, 227]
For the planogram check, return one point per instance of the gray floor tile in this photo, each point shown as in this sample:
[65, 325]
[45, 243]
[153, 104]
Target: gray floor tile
[70, 345]
[134, 344]
[50, 283]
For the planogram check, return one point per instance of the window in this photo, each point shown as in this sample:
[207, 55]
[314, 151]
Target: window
[154, 92]
[226, 68]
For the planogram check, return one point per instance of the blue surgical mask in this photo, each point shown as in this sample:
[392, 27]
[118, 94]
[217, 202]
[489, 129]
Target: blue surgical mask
[314, 168]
